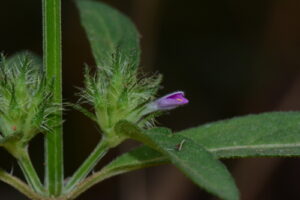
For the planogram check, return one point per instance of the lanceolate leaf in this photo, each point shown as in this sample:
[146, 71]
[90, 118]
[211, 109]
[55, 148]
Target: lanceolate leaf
[109, 32]
[267, 134]
[197, 163]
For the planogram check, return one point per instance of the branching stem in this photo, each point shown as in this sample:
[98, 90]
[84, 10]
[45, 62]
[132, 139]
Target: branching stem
[88, 165]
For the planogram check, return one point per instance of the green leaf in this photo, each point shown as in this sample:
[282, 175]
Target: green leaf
[197, 163]
[267, 134]
[109, 32]
[138, 158]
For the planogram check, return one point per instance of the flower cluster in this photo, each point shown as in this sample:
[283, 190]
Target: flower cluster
[25, 100]
[119, 93]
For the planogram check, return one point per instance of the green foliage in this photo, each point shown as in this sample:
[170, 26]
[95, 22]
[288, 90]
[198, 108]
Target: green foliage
[267, 134]
[138, 158]
[119, 97]
[26, 109]
[197, 163]
[116, 91]
[25, 97]
[109, 31]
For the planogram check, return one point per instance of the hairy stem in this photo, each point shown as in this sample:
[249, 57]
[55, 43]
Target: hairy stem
[19, 185]
[88, 183]
[52, 63]
[88, 165]
[112, 170]
[101, 176]
[29, 172]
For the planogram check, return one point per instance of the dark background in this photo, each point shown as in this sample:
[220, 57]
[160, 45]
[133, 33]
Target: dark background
[231, 58]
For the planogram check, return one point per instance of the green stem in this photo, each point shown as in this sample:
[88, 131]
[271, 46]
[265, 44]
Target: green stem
[29, 172]
[19, 185]
[88, 165]
[110, 171]
[52, 63]
[88, 183]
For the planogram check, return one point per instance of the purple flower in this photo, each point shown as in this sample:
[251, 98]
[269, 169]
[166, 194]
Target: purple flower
[168, 102]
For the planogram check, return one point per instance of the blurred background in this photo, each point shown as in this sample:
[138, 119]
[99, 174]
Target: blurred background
[231, 58]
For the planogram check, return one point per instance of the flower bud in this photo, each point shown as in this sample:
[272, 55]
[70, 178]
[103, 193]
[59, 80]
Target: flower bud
[167, 102]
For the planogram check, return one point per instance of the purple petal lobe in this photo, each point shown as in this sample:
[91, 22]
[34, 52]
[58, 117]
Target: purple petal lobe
[170, 101]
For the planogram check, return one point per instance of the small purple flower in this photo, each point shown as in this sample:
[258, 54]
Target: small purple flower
[168, 102]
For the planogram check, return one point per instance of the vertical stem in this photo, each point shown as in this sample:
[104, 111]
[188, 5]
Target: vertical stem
[52, 64]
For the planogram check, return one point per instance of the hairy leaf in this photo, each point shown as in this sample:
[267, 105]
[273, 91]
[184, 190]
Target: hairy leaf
[197, 163]
[267, 134]
[109, 32]
[138, 158]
